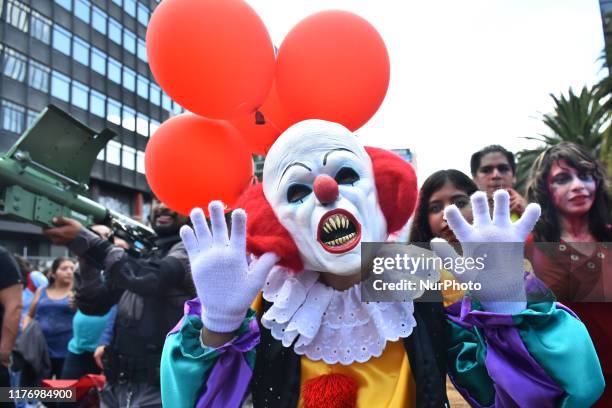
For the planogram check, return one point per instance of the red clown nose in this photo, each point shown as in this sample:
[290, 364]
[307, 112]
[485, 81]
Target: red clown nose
[326, 189]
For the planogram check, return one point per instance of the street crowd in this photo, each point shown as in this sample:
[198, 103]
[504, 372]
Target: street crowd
[107, 311]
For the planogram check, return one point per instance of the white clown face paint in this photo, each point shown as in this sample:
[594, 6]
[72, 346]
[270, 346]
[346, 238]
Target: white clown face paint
[327, 228]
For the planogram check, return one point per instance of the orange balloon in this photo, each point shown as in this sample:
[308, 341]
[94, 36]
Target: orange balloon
[261, 130]
[214, 57]
[334, 66]
[191, 161]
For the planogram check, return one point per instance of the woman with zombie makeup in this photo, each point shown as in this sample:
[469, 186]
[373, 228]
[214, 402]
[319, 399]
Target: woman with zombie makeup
[571, 242]
[309, 341]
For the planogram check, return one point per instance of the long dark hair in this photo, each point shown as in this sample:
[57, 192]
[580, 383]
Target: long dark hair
[57, 262]
[548, 228]
[420, 231]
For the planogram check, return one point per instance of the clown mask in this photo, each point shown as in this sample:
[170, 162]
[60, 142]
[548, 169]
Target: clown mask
[320, 184]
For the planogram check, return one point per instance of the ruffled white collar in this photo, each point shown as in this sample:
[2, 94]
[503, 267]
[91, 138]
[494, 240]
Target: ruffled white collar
[325, 324]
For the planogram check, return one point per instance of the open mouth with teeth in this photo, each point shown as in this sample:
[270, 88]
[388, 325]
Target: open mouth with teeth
[338, 231]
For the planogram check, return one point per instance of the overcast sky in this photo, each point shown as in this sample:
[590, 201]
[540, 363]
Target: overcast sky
[465, 74]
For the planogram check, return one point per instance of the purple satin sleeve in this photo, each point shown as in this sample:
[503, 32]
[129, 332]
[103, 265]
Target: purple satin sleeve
[191, 307]
[230, 376]
[508, 362]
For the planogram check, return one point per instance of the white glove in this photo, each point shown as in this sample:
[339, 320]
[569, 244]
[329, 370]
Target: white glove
[226, 284]
[500, 241]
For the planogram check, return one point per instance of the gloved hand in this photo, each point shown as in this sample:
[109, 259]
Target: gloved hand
[226, 284]
[499, 242]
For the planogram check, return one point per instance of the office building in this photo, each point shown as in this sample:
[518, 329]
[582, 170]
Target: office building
[87, 57]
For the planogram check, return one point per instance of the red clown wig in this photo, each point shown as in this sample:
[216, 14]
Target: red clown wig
[395, 185]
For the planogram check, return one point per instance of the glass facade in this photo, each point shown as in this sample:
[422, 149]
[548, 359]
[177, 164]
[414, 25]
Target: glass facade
[61, 39]
[17, 15]
[82, 10]
[60, 86]
[40, 27]
[114, 30]
[12, 116]
[93, 91]
[67, 4]
[80, 50]
[89, 58]
[14, 64]
[99, 19]
[80, 92]
[38, 76]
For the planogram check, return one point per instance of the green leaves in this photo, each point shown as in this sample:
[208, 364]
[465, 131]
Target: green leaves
[582, 118]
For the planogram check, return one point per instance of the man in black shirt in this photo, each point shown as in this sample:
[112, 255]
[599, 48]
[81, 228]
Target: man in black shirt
[10, 311]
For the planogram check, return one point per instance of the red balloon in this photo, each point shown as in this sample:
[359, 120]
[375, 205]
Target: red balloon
[191, 160]
[214, 57]
[261, 130]
[334, 66]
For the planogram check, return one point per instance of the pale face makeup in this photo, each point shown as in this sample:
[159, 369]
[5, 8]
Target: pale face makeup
[572, 192]
[326, 227]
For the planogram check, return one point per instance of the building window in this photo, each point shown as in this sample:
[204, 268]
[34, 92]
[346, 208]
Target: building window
[154, 94]
[12, 117]
[40, 27]
[96, 103]
[67, 4]
[31, 115]
[79, 94]
[130, 7]
[60, 86]
[128, 158]
[143, 14]
[113, 111]
[17, 15]
[38, 77]
[128, 120]
[81, 10]
[101, 155]
[129, 41]
[113, 153]
[142, 124]
[129, 79]
[140, 162]
[114, 70]
[99, 20]
[114, 30]
[98, 61]
[143, 87]
[14, 64]
[80, 50]
[118, 2]
[61, 39]
[176, 108]
[166, 102]
[142, 50]
[153, 126]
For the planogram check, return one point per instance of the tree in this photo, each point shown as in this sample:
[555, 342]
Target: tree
[578, 118]
[604, 93]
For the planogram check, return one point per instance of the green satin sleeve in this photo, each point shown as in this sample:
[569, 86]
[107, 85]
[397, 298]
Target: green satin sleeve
[561, 344]
[466, 367]
[185, 364]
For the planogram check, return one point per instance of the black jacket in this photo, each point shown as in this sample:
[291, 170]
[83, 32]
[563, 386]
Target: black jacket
[149, 292]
